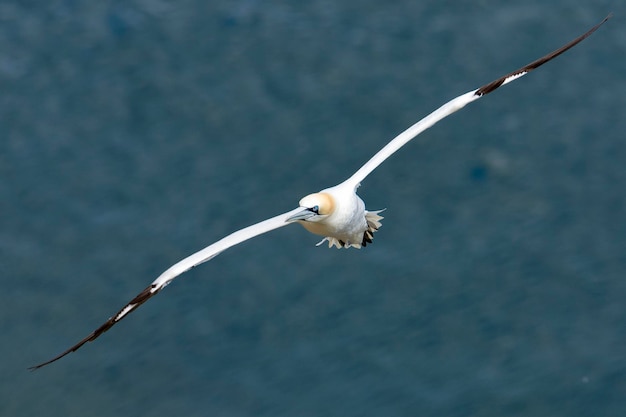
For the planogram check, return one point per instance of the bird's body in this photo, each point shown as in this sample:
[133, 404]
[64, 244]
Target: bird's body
[337, 213]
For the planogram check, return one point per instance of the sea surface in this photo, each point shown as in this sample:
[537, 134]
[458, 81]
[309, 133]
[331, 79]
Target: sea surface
[133, 133]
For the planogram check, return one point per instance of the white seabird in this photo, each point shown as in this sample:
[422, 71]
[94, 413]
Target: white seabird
[337, 213]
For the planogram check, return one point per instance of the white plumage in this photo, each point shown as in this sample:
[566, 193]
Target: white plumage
[337, 213]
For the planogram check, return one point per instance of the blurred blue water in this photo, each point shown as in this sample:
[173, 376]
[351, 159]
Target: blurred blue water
[135, 133]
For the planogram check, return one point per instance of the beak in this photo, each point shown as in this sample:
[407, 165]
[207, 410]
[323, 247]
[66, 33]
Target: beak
[304, 214]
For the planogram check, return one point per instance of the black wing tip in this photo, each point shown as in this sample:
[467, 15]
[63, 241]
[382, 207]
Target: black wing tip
[94, 335]
[488, 88]
[67, 352]
[41, 365]
[141, 298]
[56, 358]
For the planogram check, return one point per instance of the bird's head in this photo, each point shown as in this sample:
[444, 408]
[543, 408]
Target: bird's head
[315, 207]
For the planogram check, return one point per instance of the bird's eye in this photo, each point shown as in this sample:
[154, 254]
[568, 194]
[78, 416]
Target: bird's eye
[315, 209]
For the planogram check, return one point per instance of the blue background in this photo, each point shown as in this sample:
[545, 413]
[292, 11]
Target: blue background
[135, 133]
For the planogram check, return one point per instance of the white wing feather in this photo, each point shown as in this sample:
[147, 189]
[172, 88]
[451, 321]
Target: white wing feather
[404, 137]
[455, 105]
[221, 245]
[175, 270]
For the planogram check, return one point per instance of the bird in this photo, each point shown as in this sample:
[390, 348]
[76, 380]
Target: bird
[336, 213]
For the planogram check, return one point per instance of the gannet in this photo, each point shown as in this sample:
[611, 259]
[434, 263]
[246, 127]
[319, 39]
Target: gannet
[336, 213]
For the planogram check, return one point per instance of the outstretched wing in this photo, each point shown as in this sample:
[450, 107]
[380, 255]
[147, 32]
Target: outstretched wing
[175, 270]
[457, 104]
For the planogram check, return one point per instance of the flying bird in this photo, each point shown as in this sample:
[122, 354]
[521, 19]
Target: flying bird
[336, 213]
